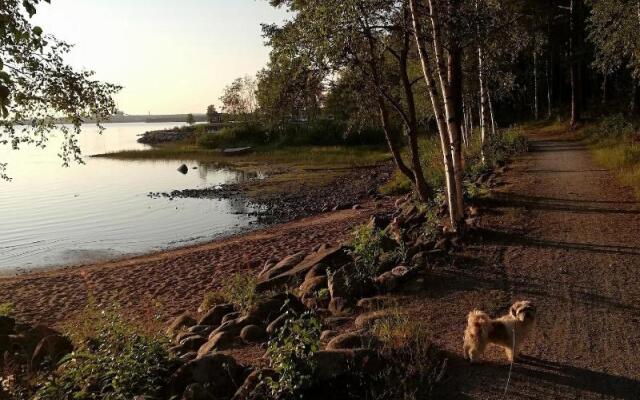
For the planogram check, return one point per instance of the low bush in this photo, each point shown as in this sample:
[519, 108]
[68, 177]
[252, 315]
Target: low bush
[236, 135]
[239, 289]
[6, 309]
[114, 359]
[366, 251]
[291, 353]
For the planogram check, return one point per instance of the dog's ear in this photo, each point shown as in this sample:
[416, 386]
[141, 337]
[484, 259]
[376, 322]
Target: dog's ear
[514, 310]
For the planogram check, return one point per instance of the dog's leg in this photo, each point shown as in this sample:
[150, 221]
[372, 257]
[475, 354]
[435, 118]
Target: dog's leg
[510, 353]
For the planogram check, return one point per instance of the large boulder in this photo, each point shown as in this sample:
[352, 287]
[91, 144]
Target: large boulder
[267, 310]
[253, 334]
[283, 266]
[352, 340]
[192, 343]
[214, 316]
[218, 342]
[312, 285]
[234, 327]
[277, 323]
[250, 388]
[216, 371]
[50, 351]
[183, 321]
[332, 257]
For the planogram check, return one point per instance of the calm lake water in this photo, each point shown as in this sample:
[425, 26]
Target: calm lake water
[55, 216]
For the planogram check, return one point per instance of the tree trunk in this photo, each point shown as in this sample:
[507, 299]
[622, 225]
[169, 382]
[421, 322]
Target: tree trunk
[493, 119]
[393, 146]
[576, 81]
[549, 89]
[438, 113]
[535, 85]
[450, 83]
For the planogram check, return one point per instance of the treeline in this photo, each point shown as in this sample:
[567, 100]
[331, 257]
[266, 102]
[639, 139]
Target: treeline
[455, 69]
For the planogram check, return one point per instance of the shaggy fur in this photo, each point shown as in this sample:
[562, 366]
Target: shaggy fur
[482, 330]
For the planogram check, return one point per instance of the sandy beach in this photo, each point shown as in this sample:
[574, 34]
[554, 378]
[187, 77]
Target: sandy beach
[171, 281]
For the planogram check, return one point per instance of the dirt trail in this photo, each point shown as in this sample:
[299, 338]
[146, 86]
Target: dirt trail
[565, 234]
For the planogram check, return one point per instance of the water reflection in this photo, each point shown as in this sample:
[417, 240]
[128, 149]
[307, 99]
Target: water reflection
[58, 216]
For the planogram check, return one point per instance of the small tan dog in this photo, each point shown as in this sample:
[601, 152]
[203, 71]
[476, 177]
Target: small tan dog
[508, 331]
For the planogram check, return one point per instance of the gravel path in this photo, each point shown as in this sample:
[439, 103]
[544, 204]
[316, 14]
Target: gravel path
[563, 233]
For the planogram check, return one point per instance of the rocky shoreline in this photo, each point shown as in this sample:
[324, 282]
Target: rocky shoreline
[342, 193]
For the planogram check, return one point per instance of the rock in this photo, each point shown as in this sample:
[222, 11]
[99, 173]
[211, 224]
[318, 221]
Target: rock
[332, 257]
[335, 322]
[352, 340]
[231, 316]
[183, 169]
[277, 323]
[197, 391]
[192, 343]
[220, 341]
[182, 321]
[339, 306]
[387, 282]
[316, 271]
[7, 325]
[248, 389]
[182, 336]
[312, 285]
[267, 310]
[331, 364]
[364, 321]
[253, 334]
[376, 303]
[327, 335]
[51, 350]
[338, 284]
[30, 339]
[400, 271]
[185, 358]
[235, 326]
[218, 372]
[283, 266]
[201, 330]
[214, 316]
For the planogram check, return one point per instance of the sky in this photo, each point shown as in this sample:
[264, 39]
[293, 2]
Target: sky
[171, 56]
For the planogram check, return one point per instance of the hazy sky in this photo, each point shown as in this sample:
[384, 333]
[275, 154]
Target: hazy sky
[171, 56]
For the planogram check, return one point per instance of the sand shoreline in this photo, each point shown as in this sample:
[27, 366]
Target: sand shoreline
[172, 280]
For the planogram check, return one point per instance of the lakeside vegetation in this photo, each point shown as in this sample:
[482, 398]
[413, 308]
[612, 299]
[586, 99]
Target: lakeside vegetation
[615, 145]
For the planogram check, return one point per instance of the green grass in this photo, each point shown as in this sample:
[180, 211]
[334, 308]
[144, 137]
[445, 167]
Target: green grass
[305, 156]
[614, 145]
[286, 167]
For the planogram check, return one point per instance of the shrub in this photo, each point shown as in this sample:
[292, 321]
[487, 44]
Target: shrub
[239, 135]
[6, 309]
[291, 353]
[415, 366]
[367, 248]
[239, 289]
[114, 360]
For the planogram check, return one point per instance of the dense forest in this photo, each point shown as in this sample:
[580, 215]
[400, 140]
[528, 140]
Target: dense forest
[452, 69]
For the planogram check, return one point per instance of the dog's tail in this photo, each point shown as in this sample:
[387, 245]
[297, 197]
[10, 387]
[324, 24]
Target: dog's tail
[478, 324]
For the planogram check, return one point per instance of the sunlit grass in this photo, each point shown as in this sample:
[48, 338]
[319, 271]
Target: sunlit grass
[623, 158]
[307, 156]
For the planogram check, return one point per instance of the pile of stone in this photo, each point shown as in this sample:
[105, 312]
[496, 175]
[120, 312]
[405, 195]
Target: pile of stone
[347, 311]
